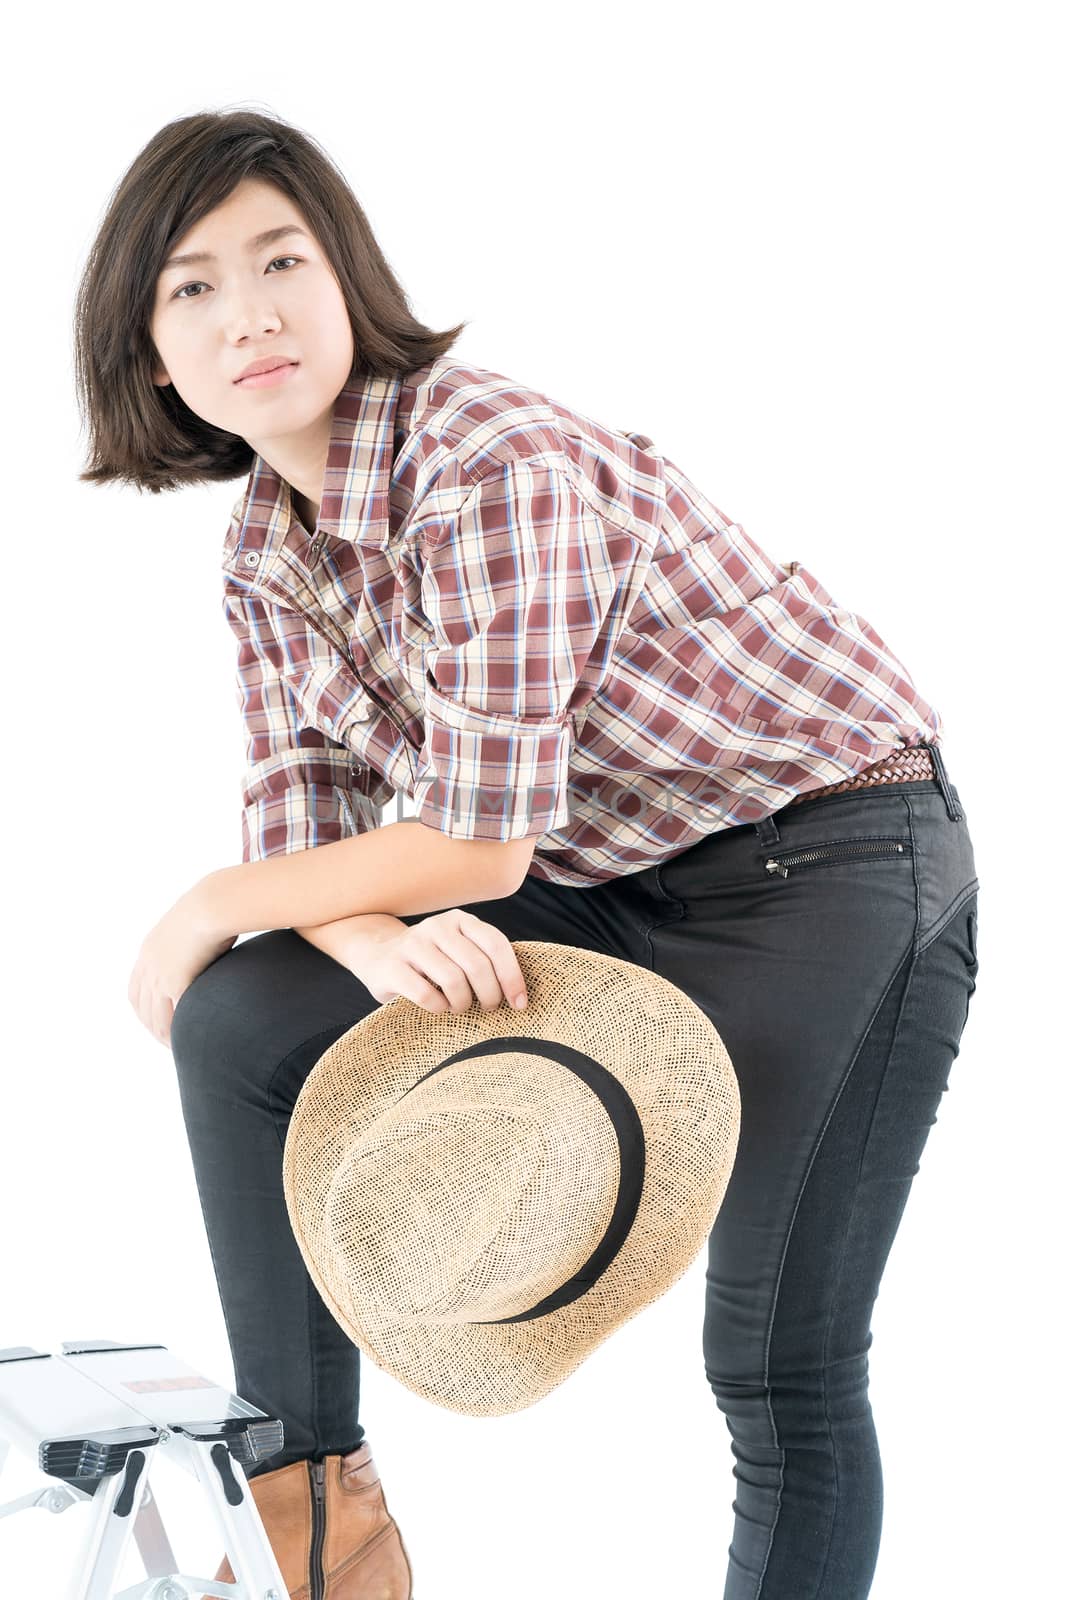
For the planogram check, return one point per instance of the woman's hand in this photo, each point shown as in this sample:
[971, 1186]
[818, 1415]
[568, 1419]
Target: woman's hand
[446, 962]
[175, 951]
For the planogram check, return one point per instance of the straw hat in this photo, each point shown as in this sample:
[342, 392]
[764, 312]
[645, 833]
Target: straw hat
[482, 1197]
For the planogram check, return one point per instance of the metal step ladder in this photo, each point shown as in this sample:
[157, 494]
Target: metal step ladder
[94, 1418]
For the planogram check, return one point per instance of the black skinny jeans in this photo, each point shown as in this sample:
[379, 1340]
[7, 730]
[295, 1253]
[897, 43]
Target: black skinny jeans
[840, 990]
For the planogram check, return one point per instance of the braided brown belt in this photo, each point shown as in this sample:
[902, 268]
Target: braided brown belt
[903, 766]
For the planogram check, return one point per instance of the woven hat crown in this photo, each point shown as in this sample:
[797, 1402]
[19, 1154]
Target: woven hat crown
[478, 1193]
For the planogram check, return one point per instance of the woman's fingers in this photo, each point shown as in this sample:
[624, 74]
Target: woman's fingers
[155, 1011]
[468, 959]
[162, 1013]
[444, 963]
[500, 953]
[460, 970]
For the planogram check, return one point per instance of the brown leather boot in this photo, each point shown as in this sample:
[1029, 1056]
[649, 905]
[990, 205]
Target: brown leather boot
[331, 1531]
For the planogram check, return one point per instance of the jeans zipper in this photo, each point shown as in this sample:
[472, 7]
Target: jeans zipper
[844, 850]
[318, 1528]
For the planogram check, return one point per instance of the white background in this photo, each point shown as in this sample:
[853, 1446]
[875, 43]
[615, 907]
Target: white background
[814, 253]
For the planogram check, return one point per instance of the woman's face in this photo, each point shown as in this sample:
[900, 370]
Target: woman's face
[210, 318]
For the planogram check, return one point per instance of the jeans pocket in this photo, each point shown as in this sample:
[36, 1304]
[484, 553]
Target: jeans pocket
[972, 938]
[833, 852]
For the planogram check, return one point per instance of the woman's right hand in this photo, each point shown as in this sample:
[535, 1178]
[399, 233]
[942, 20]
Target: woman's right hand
[463, 956]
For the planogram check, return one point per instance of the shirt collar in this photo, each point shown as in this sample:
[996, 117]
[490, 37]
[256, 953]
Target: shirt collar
[359, 464]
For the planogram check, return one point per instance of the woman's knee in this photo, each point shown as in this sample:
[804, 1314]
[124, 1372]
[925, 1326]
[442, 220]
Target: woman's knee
[260, 1000]
[231, 981]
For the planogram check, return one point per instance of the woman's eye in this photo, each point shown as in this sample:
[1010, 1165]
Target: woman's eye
[180, 294]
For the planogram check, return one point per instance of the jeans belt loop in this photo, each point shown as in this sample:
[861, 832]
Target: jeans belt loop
[942, 781]
[767, 831]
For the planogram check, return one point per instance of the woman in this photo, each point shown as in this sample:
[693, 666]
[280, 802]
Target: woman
[618, 723]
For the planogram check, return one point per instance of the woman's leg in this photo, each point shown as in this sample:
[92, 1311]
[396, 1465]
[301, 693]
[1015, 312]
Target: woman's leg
[245, 1035]
[841, 991]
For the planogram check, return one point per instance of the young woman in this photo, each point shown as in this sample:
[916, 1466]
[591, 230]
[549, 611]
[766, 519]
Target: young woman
[617, 723]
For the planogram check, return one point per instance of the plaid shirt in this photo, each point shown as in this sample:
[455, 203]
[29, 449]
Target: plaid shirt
[519, 620]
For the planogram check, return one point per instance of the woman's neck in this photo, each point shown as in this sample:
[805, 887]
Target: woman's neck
[306, 510]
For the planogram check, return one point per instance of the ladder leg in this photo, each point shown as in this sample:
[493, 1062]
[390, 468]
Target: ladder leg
[152, 1540]
[116, 1504]
[240, 1525]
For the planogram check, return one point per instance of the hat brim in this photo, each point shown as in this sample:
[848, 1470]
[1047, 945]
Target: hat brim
[671, 1060]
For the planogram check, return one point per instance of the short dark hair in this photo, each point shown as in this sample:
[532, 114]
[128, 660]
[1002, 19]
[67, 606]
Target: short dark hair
[143, 433]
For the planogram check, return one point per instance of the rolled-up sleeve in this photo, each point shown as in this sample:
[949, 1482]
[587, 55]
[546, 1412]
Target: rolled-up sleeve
[298, 788]
[515, 593]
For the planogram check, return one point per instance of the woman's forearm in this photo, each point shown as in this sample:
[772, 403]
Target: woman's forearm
[338, 939]
[402, 869]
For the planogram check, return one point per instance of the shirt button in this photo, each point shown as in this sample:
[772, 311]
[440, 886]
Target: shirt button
[252, 558]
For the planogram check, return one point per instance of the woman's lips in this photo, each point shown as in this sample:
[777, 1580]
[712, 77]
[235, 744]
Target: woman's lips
[267, 380]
